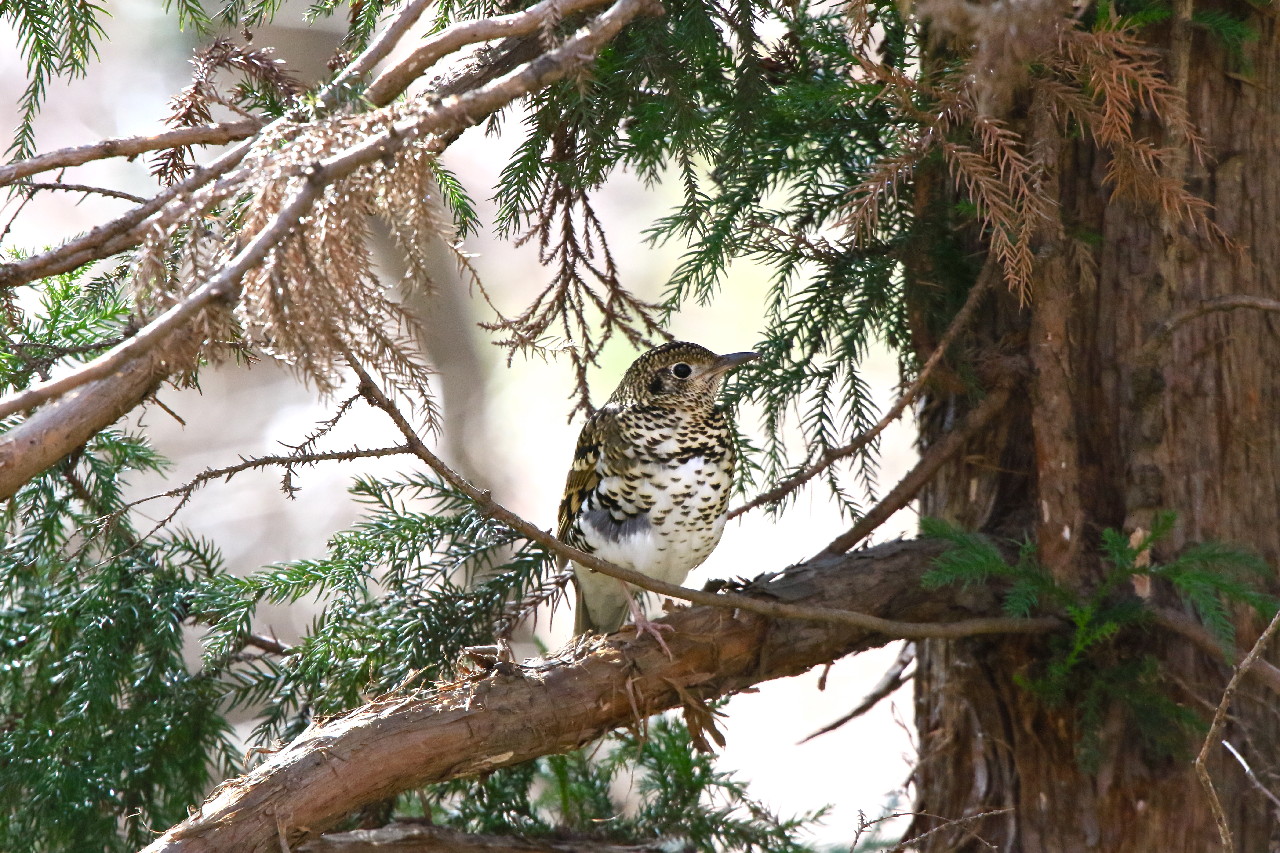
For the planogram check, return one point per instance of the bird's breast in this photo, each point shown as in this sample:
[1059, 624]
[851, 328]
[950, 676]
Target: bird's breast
[662, 518]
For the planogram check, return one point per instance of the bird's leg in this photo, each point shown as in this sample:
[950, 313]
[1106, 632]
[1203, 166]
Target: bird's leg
[644, 625]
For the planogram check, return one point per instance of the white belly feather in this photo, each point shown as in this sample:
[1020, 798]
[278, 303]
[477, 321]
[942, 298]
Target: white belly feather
[674, 541]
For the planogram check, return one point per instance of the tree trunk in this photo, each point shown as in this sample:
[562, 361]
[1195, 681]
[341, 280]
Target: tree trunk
[1147, 418]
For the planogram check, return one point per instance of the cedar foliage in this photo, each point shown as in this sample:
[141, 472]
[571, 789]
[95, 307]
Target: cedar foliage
[796, 150]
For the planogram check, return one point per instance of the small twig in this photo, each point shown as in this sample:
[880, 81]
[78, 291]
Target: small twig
[257, 462]
[1215, 732]
[1230, 302]
[952, 443]
[835, 454]
[901, 846]
[1248, 772]
[267, 644]
[88, 190]
[308, 444]
[488, 506]
[889, 682]
[129, 146]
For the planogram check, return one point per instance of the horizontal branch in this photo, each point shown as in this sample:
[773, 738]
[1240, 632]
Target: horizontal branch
[480, 723]
[424, 838]
[128, 146]
[86, 189]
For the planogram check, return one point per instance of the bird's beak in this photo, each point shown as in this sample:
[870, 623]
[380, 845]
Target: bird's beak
[728, 362]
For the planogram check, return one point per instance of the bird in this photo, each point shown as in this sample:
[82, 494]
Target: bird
[649, 485]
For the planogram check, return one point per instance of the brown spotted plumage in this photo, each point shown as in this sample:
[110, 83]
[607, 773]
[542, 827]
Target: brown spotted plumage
[650, 480]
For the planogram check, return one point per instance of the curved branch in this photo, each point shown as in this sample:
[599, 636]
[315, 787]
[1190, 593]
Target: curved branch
[128, 146]
[1230, 302]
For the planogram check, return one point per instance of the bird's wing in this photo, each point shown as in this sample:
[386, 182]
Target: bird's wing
[584, 473]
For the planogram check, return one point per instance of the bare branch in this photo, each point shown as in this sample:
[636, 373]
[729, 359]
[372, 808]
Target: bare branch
[258, 462]
[128, 146]
[1192, 630]
[905, 844]
[889, 682]
[267, 644]
[392, 82]
[1230, 302]
[1251, 776]
[88, 190]
[771, 608]
[1215, 732]
[377, 51]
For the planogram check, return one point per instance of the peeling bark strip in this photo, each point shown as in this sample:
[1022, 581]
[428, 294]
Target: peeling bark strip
[479, 724]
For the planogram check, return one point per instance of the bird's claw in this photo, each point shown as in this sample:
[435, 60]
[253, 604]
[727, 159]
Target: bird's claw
[643, 626]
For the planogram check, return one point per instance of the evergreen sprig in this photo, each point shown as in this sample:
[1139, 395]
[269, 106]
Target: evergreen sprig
[1092, 666]
[422, 576]
[105, 732]
[681, 798]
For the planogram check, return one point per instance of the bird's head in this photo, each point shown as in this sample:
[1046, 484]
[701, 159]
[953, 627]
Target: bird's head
[678, 371]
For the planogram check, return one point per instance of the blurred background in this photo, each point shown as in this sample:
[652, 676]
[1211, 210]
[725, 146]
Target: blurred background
[505, 427]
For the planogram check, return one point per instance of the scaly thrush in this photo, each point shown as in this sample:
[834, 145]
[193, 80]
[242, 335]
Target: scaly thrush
[650, 480]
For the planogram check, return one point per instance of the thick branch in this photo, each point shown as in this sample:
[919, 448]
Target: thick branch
[419, 838]
[512, 715]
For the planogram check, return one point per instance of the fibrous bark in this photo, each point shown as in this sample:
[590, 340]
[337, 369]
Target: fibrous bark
[1141, 420]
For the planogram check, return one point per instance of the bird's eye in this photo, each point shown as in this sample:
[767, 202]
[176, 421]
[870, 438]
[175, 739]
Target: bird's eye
[682, 370]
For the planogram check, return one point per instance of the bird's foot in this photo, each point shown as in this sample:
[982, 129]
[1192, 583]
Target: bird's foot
[644, 625]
